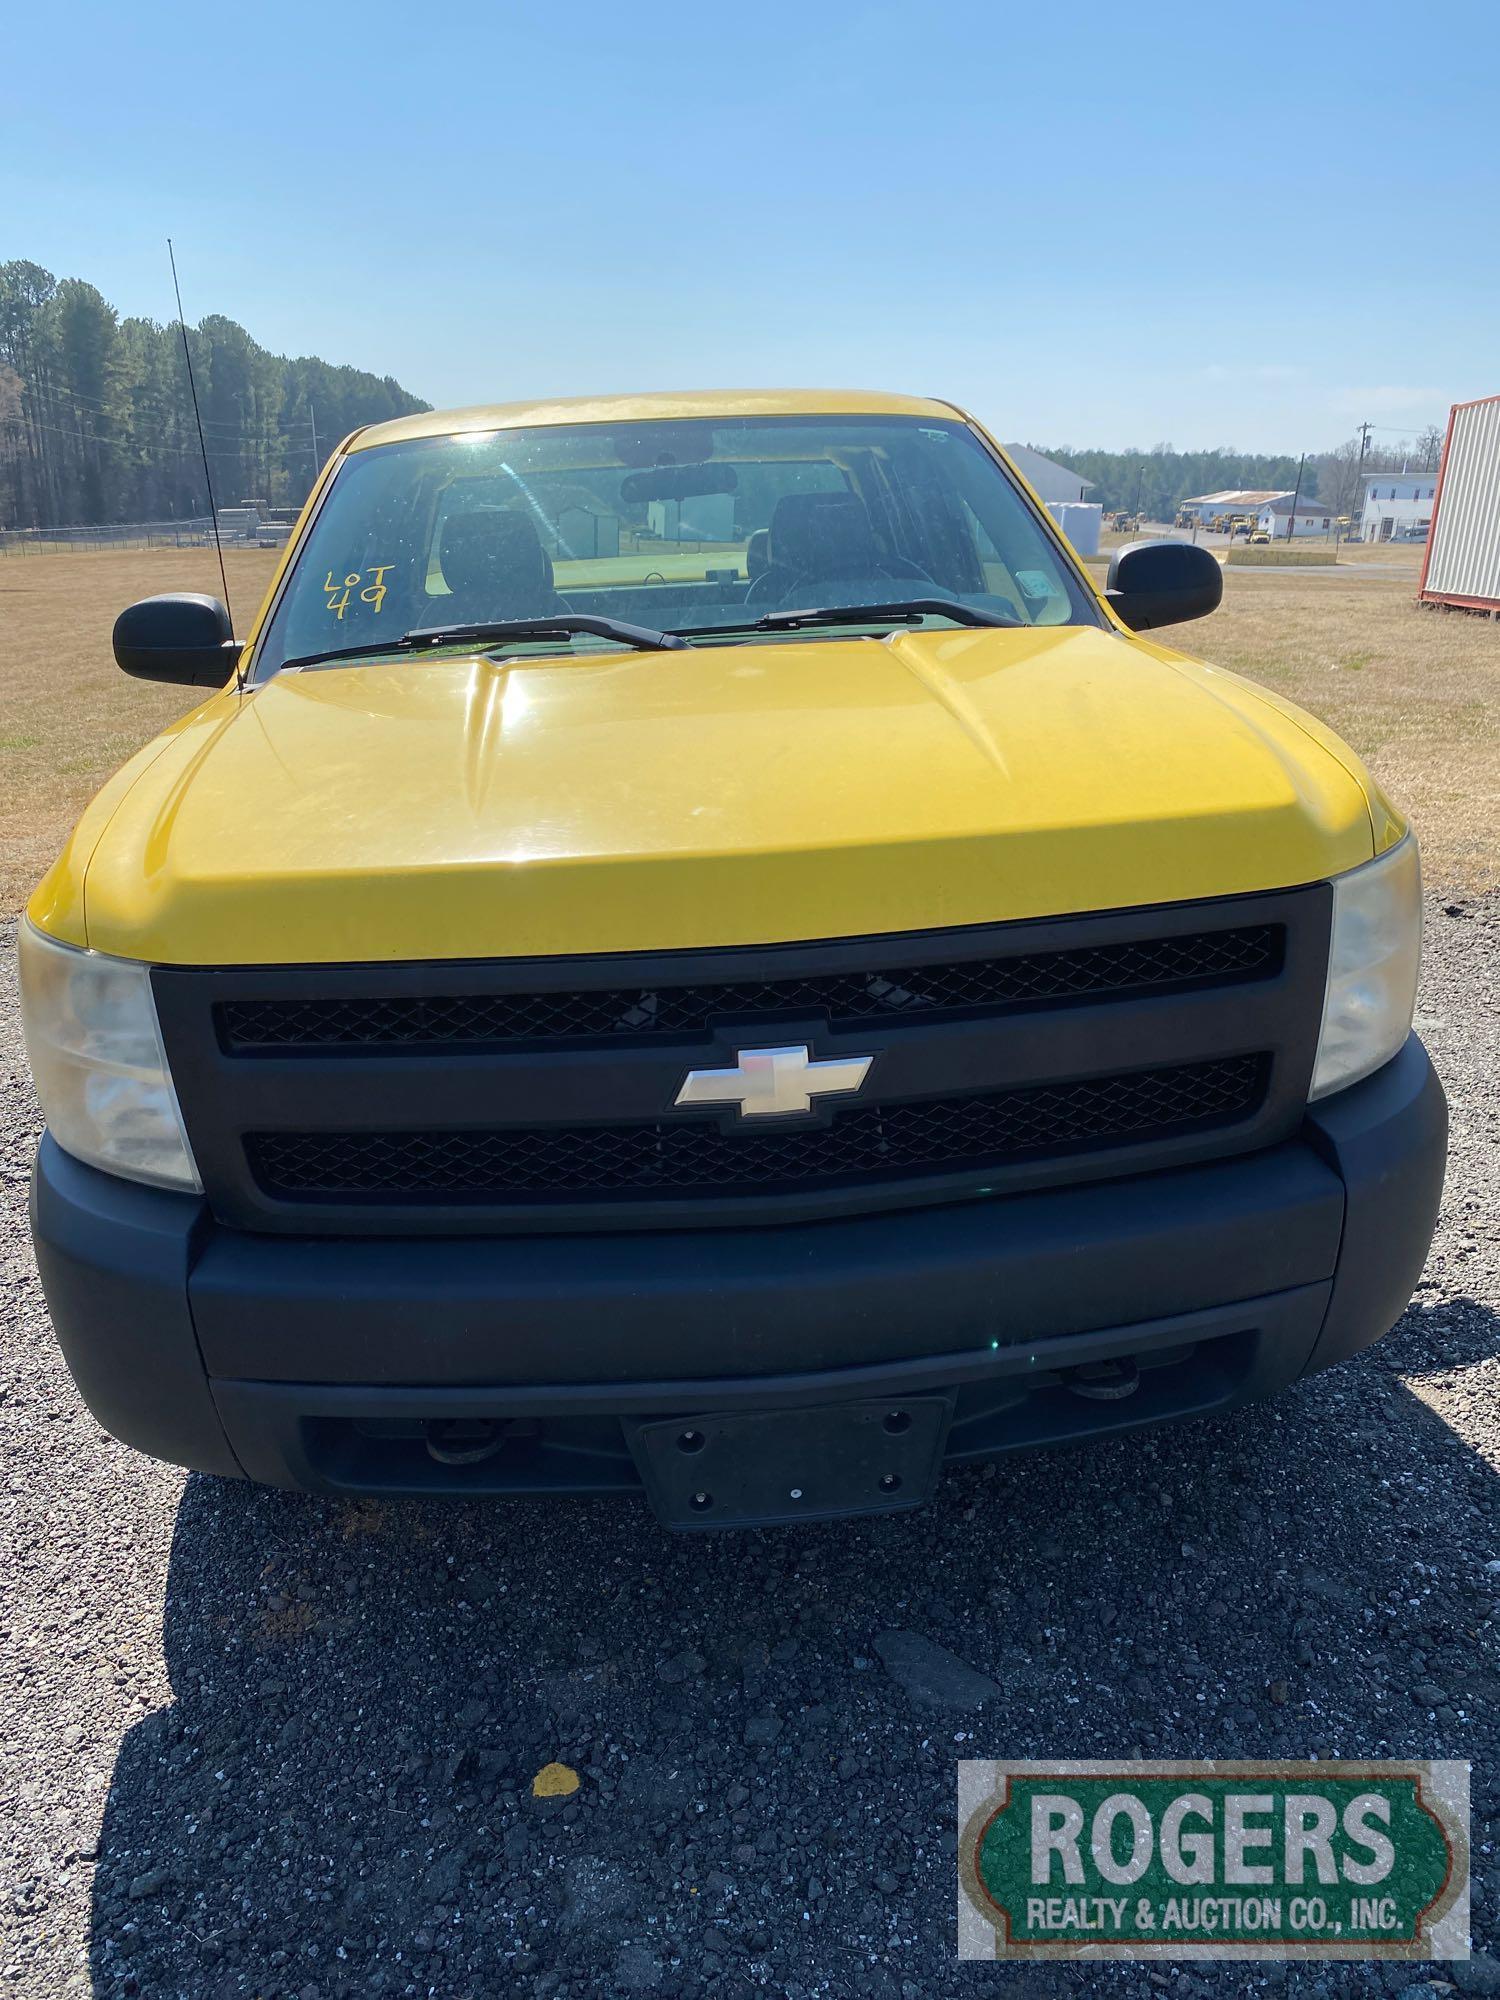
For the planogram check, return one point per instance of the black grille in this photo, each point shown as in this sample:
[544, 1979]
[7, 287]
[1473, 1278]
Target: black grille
[411, 1021]
[888, 1142]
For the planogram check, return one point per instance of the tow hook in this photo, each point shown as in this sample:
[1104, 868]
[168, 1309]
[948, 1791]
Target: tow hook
[467, 1440]
[1104, 1381]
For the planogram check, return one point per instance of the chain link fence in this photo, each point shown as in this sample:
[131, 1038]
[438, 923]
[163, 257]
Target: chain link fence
[119, 535]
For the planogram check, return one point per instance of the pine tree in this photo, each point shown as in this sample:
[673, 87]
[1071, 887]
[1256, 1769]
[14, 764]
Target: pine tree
[96, 419]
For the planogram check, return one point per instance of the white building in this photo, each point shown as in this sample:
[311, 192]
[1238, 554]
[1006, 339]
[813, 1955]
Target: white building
[1396, 502]
[1269, 511]
[1314, 517]
[1047, 479]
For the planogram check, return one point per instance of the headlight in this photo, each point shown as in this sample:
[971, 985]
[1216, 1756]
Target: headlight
[1372, 968]
[96, 1054]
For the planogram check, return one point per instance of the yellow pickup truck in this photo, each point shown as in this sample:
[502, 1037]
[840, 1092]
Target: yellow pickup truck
[693, 950]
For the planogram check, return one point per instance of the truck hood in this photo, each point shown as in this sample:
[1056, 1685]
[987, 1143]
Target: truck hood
[729, 795]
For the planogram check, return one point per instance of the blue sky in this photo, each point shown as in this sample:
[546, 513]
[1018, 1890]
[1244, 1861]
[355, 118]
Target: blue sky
[1253, 224]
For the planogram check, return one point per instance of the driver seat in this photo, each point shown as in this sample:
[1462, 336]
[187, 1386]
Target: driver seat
[823, 543]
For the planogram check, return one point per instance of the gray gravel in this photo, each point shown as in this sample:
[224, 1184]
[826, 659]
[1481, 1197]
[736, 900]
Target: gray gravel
[257, 1744]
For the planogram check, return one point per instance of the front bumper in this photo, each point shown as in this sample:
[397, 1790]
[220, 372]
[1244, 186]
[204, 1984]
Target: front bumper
[325, 1363]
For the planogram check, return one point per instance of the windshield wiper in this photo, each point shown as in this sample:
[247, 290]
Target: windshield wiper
[905, 612]
[496, 631]
[559, 625]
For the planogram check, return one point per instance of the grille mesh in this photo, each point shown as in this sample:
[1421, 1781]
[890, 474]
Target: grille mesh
[397, 1021]
[892, 1141]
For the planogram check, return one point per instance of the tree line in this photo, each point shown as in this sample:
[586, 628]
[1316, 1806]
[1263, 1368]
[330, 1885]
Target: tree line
[96, 420]
[1154, 483]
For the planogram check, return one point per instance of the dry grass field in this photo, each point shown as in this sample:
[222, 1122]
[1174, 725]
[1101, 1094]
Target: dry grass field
[1417, 693]
[68, 716]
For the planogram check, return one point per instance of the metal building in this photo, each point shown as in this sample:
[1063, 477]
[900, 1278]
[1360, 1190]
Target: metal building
[1462, 564]
[1046, 478]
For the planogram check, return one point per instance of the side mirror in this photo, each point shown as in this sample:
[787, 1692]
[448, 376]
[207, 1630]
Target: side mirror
[1162, 583]
[186, 638]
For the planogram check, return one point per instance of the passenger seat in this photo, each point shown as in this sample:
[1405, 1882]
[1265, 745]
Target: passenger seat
[494, 564]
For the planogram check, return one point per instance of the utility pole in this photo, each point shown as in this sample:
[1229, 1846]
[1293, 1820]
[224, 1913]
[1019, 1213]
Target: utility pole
[312, 419]
[1359, 476]
[1291, 525]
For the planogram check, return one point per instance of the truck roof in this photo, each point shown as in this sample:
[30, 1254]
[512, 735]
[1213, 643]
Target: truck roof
[667, 404]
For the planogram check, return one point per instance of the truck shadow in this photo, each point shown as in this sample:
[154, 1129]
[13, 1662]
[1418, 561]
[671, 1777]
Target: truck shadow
[338, 1800]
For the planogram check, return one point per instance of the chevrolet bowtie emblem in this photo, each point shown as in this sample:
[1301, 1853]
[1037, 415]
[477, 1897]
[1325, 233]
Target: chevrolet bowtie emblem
[771, 1083]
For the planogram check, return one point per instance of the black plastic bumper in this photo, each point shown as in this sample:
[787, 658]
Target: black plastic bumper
[330, 1363]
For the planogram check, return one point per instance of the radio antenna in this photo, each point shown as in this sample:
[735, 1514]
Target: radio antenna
[208, 481]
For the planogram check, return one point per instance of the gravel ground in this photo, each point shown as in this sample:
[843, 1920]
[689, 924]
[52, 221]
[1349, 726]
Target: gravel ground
[257, 1744]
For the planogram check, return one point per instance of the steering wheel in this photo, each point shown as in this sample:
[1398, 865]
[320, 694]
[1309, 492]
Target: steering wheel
[775, 586]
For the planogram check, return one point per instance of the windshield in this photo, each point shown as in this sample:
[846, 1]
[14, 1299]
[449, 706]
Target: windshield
[697, 526]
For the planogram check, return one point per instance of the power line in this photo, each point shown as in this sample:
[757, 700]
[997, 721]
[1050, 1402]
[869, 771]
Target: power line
[139, 443]
[95, 437]
[103, 402]
[254, 434]
[220, 434]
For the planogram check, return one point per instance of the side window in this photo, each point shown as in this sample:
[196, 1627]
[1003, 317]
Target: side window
[988, 553]
[1030, 586]
[998, 581]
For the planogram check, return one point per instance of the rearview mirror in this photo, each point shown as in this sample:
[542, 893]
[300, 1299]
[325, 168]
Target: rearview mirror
[1162, 583]
[185, 638]
[679, 482]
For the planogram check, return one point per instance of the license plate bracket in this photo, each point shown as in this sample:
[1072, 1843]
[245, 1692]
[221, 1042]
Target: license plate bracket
[762, 1468]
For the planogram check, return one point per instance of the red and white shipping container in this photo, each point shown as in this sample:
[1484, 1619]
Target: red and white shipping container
[1462, 564]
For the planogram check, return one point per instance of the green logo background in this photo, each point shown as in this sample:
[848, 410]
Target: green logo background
[1002, 1862]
